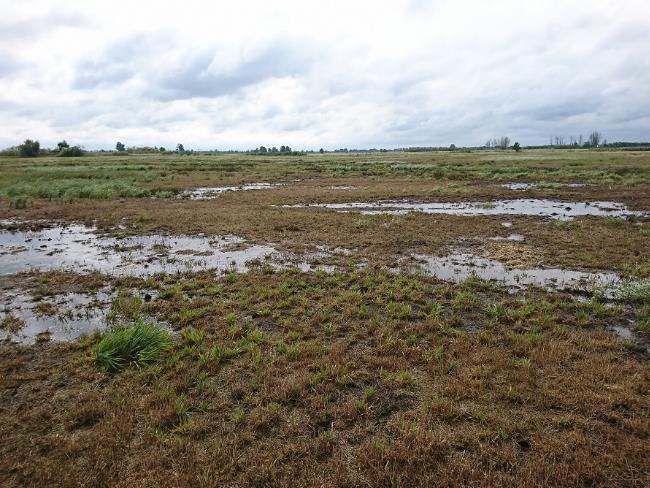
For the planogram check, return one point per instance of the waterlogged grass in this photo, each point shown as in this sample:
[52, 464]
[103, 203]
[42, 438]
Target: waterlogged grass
[134, 345]
[11, 324]
[637, 291]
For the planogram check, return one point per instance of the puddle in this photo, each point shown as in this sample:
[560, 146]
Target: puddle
[528, 186]
[80, 248]
[58, 318]
[519, 186]
[511, 237]
[534, 207]
[207, 193]
[458, 267]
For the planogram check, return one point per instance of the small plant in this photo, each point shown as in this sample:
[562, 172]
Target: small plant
[496, 311]
[636, 291]
[192, 336]
[18, 202]
[136, 345]
[643, 326]
[398, 310]
[237, 415]
[11, 324]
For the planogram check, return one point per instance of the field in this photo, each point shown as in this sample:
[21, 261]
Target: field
[349, 345]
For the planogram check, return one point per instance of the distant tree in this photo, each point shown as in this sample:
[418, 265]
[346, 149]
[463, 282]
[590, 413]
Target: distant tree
[180, 148]
[62, 145]
[262, 150]
[29, 149]
[120, 147]
[452, 147]
[594, 138]
[71, 152]
[321, 150]
[516, 146]
[503, 142]
[161, 149]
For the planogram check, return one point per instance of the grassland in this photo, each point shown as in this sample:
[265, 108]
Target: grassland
[361, 377]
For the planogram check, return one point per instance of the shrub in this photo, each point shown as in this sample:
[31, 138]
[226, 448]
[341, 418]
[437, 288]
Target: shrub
[136, 345]
[71, 152]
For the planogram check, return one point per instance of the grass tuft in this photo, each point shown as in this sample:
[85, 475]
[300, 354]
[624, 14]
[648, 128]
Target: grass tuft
[136, 345]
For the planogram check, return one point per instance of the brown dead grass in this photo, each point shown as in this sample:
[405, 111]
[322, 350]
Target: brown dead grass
[513, 254]
[334, 386]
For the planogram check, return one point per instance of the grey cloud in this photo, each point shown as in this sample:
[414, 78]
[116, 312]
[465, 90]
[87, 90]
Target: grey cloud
[178, 74]
[193, 78]
[122, 60]
[40, 25]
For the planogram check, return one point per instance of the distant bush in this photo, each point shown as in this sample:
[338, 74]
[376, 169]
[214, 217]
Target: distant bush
[135, 345]
[10, 151]
[71, 152]
[29, 149]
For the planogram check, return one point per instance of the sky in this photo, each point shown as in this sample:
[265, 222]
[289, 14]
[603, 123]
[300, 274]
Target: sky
[354, 73]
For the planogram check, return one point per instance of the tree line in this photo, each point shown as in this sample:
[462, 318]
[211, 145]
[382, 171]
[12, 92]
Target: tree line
[595, 139]
[32, 148]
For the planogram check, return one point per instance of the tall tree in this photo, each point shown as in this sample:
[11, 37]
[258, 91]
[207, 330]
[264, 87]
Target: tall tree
[594, 138]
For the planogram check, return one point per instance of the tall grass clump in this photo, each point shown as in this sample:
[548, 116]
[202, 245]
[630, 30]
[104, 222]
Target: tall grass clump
[135, 345]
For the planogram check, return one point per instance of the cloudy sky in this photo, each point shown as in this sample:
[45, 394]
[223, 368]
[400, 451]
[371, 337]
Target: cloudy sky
[351, 73]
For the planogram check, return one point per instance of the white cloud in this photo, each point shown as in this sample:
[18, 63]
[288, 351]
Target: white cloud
[332, 74]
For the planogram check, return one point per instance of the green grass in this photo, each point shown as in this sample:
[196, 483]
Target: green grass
[105, 176]
[136, 345]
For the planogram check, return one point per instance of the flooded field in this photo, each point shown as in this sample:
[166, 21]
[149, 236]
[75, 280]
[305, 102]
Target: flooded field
[532, 207]
[360, 313]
